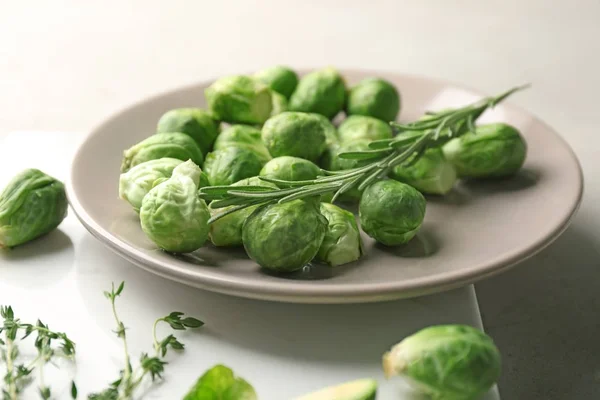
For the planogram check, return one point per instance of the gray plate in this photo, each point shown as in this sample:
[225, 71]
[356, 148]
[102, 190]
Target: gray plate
[478, 230]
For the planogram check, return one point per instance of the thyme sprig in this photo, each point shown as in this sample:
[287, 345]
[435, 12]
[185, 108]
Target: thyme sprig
[411, 141]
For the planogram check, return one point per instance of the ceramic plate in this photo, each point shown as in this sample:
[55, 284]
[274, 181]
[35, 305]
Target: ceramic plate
[478, 230]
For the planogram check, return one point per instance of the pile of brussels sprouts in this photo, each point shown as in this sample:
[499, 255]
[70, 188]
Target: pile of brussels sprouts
[276, 127]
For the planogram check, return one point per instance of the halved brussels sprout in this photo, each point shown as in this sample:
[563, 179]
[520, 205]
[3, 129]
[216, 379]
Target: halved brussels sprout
[280, 103]
[360, 127]
[391, 212]
[239, 99]
[294, 134]
[227, 231]
[431, 174]
[361, 389]
[280, 79]
[231, 164]
[342, 243]
[452, 362]
[492, 151]
[374, 97]
[322, 92]
[290, 169]
[172, 214]
[195, 122]
[172, 145]
[284, 237]
[31, 205]
[137, 182]
[242, 136]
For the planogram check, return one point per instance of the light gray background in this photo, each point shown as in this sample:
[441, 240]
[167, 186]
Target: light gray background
[64, 65]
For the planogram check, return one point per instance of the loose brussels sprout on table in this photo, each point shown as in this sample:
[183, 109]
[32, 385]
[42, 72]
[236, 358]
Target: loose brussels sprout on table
[31, 205]
[172, 214]
[342, 243]
[357, 127]
[431, 174]
[492, 151]
[290, 169]
[322, 92]
[242, 136]
[220, 383]
[280, 79]
[453, 362]
[196, 122]
[239, 99]
[172, 145]
[284, 237]
[137, 182]
[231, 164]
[227, 231]
[295, 134]
[391, 212]
[374, 97]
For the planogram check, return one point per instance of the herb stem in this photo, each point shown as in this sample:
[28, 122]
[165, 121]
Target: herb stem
[10, 368]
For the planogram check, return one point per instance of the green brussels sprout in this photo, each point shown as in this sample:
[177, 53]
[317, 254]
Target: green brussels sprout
[172, 214]
[231, 164]
[242, 136]
[322, 92]
[374, 97]
[196, 122]
[220, 383]
[453, 362]
[338, 164]
[290, 169]
[227, 231]
[172, 145]
[342, 243]
[360, 389]
[431, 174]
[391, 212]
[31, 205]
[492, 151]
[294, 134]
[284, 237]
[280, 79]
[280, 103]
[137, 182]
[239, 99]
[357, 127]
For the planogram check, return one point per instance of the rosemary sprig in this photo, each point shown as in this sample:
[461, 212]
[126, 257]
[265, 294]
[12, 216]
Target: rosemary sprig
[411, 141]
[18, 376]
[130, 379]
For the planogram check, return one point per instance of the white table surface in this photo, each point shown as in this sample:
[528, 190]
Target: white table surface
[66, 64]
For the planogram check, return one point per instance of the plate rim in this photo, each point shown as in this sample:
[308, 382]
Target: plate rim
[349, 293]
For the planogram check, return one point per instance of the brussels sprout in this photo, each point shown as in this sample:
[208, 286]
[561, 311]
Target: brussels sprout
[284, 237]
[294, 134]
[357, 127]
[361, 389]
[338, 164]
[227, 231]
[375, 98]
[290, 169]
[137, 182]
[31, 205]
[454, 362]
[172, 214]
[492, 151]
[239, 99]
[232, 164]
[172, 145]
[322, 92]
[431, 174]
[342, 243]
[196, 122]
[332, 143]
[280, 103]
[242, 136]
[279, 78]
[220, 383]
[391, 212]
